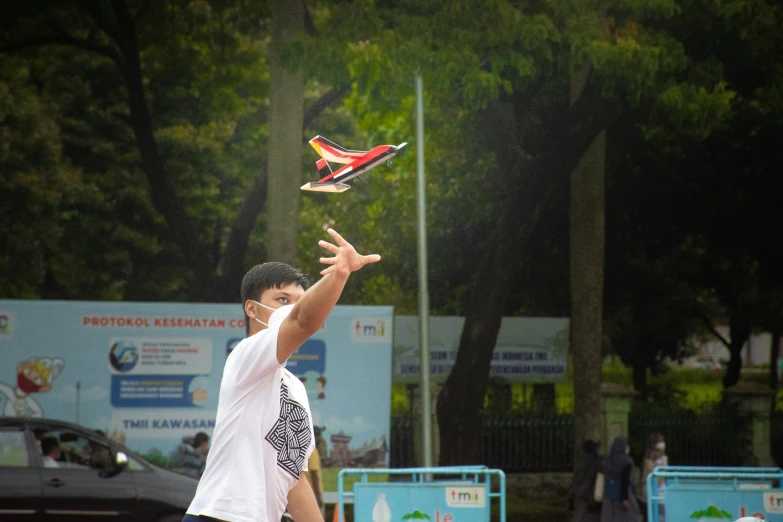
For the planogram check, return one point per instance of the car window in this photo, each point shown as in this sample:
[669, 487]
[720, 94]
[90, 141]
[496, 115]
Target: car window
[13, 449]
[135, 465]
[73, 451]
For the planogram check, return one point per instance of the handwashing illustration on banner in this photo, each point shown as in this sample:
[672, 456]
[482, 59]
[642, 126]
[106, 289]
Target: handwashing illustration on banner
[34, 375]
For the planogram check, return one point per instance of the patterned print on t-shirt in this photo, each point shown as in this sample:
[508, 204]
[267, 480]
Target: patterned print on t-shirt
[290, 435]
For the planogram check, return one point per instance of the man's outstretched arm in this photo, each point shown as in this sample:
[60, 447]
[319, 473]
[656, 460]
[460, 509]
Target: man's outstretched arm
[302, 504]
[311, 310]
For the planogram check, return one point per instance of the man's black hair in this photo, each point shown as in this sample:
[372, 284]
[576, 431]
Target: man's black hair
[200, 438]
[263, 277]
[48, 444]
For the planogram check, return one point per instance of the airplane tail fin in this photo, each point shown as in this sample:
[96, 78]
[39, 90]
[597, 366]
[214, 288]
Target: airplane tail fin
[331, 151]
[323, 168]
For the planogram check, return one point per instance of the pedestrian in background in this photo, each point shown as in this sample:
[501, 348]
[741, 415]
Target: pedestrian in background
[619, 503]
[654, 456]
[191, 456]
[582, 489]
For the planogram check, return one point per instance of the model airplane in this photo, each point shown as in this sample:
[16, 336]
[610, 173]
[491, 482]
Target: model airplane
[357, 163]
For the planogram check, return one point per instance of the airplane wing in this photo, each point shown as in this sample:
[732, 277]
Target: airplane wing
[330, 151]
[315, 186]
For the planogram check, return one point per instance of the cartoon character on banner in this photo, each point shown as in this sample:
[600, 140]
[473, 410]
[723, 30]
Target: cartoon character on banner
[317, 392]
[35, 375]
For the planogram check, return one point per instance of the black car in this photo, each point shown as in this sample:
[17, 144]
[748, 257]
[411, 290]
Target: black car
[91, 477]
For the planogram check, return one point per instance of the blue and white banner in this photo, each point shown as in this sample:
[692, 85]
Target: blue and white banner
[148, 374]
[528, 349]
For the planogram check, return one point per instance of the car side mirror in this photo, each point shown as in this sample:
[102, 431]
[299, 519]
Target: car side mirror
[120, 463]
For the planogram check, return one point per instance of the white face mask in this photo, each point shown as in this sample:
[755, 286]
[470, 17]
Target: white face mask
[276, 316]
[661, 446]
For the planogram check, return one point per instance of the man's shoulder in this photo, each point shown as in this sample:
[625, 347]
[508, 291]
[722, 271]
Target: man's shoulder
[253, 341]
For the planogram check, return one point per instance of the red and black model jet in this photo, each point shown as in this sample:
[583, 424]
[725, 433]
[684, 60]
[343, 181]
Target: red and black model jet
[357, 163]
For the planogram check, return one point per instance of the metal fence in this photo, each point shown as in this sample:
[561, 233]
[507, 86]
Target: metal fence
[533, 443]
[511, 443]
[545, 442]
[715, 439]
[401, 444]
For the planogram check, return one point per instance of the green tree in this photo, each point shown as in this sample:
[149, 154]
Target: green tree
[694, 247]
[182, 88]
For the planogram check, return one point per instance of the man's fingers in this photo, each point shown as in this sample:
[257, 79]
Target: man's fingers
[328, 246]
[337, 237]
[372, 258]
[328, 260]
[328, 270]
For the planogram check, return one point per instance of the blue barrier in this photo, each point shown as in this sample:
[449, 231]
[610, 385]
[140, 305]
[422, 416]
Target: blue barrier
[464, 495]
[681, 493]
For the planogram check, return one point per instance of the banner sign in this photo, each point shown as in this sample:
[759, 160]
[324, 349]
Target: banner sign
[705, 494]
[149, 374]
[528, 349]
[425, 501]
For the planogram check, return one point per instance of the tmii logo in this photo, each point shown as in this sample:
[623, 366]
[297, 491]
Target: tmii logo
[773, 502]
[366, 329]
[474, 496]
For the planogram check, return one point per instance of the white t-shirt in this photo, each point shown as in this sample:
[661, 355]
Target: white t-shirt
[263, 434]
[49, 462]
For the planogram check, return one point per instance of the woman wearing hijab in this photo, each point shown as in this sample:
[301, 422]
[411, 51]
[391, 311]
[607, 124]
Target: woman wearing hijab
[583, 484]
[619, 503]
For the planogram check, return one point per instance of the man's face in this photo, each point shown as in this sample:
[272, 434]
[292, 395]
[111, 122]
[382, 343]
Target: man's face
[273, 298]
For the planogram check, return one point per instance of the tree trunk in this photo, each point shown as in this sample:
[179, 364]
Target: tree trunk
[461, 399]
[774, 355]
[530, 181]
[286, 99]
[587, 280]
[238, 239]
[740, 333]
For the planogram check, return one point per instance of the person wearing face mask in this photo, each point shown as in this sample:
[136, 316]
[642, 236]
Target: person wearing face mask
[263, 432]
[654, 456]
[619, 504]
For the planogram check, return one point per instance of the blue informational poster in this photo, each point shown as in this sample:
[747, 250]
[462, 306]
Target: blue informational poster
[711, 503]
[705, 494]
[148, 374]
[436, 502]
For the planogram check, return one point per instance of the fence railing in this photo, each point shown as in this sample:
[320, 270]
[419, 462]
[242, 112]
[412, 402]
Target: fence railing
[545, 442]
[532, 443]
[401, 444]
[510, 443]
[714, 439]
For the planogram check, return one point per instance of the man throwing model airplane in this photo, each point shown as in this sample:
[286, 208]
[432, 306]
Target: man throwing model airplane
[263, 433]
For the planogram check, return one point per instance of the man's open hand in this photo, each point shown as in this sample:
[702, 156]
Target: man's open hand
[346, 259]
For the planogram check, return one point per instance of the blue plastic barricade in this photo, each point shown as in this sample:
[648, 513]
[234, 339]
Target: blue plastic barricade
[459, 494]
[699, 494]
